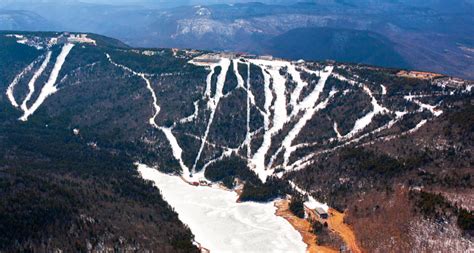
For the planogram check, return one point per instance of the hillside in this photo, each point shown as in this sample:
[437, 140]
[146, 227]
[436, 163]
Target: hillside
[337, 44]
[390, 149]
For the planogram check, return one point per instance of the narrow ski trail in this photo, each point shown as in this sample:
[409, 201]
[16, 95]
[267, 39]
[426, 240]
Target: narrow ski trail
[309, 106]
[168, 132]
[50, 87]
[365, 121]
[248, 137]
[213, 102]
[271, 73]
[31, 84]
[433, 109]
[11, 87]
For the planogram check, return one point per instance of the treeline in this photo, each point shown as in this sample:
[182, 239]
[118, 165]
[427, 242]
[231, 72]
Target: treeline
[57, 192]
[435, 206]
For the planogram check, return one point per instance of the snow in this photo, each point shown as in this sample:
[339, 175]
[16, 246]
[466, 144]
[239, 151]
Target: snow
[469, 88]
[271, 71]
[175, 148]
[15, 81]
[31, 84]
[336, 130]
[209, 81]
[240, 80]
[309, 107]
[220, 224]
[157, 108]
[363, 122]
[311, 203]
[49, 88]
[248, 137]
[280, 113]
[155, 99]
[436, 112]
[384, 89]
[213, 103]
[177, 151]
[418, 126]
[258, 159]
[300, 84]
[193, 116]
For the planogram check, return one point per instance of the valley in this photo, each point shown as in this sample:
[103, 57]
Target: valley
[328, 132]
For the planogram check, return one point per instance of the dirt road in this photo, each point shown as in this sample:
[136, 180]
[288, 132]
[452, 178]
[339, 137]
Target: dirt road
[302, 226]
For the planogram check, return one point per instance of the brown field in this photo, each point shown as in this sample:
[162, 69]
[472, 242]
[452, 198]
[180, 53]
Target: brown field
[303, 226]
[336, 224]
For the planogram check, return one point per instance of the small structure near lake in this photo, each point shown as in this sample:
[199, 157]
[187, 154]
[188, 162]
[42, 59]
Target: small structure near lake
[321, 213]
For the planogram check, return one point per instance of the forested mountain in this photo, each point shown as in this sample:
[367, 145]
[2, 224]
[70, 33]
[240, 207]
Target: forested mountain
[391, 148]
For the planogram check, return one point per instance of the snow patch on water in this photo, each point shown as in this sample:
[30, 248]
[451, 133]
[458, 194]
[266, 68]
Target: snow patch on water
[219, 223]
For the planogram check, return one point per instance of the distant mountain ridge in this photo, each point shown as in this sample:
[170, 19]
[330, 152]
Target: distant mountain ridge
[429, 36]
[24, 21]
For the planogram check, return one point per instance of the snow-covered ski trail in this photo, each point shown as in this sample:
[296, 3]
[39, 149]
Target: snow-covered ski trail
[248, 137]
[31, 84]
[271, 73]
[207, 94]
[245, 85]
[309, 106]
[336, 130]
[433, 109]
[15, 81]
[50, 87]
[384, 89]
[365, 121]
[213, 103]
[300, 84]
[193, 116]
[240, 79]
[168, 132]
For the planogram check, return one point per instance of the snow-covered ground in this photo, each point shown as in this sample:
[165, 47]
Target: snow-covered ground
[213, 102]
[50, 87]
[220, 224]
[311, 202]
[15, 81]
[310, 107]
[31, 84]
[433, 109]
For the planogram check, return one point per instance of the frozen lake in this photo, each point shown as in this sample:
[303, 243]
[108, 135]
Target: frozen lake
[222, 225]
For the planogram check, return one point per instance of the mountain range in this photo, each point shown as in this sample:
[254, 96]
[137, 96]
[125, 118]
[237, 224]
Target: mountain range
[424, 35]
[389, 150]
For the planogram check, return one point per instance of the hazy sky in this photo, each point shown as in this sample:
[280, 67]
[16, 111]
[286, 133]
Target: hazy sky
[154, 2]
